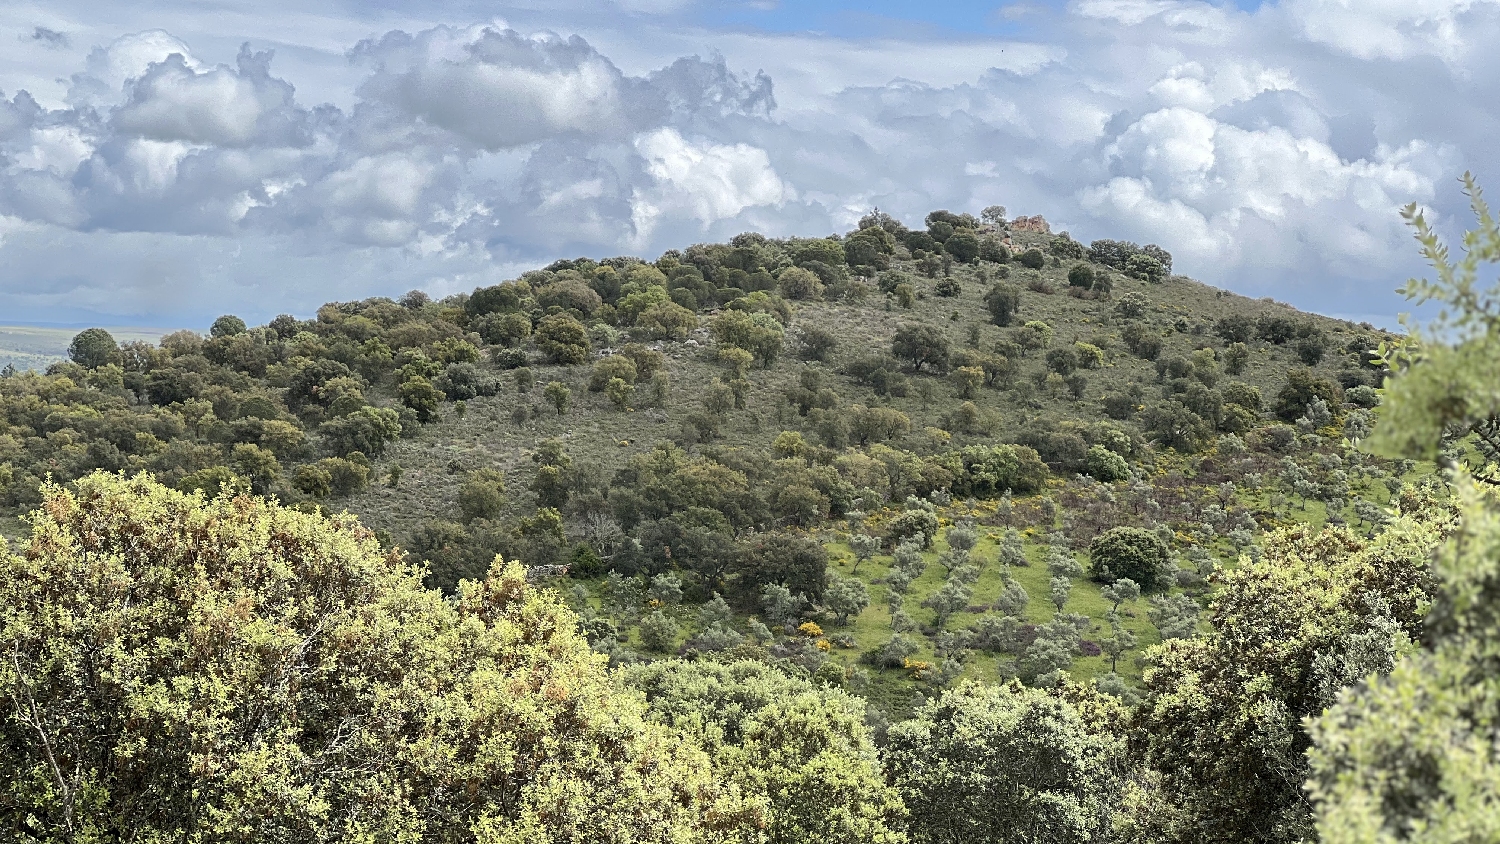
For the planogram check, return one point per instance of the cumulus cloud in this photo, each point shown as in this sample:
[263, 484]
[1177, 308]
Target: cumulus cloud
[1268, 150]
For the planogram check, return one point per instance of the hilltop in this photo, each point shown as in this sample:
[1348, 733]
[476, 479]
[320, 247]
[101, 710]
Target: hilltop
[880, 458]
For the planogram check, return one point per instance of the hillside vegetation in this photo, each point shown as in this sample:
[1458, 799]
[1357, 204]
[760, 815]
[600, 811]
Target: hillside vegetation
[964, 533]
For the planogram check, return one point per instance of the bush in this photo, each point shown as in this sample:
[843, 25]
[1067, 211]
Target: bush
[1032, 259]
[1105, 465]
[1002, 300]
[563, 339]
[991, 249]
[1134, 553]
[948, 288]
[1299, 391]
[666, 321]
[482, 495]
[922, 345]
[1081, 275]
[615, 366]
[963, 245]
[797, 283]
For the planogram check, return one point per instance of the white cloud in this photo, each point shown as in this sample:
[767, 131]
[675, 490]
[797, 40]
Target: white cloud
[222, 106]
[710, 181]
[1267, 150]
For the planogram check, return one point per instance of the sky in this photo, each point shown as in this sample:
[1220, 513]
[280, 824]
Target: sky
[163, 163]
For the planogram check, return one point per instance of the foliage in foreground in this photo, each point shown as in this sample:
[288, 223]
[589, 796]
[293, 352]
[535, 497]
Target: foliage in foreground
[244, 672]
[1412, 756]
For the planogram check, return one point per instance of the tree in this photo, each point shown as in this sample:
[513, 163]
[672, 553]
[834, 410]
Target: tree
[1410, 757]
[1236, 355]
[798, 748]
[1082, 276]
[845, 597]
[482, 495]
[759, 333]
[562, 339]
[864, 547]
[1002, 300]
[1104, 465]
[797, 283]
[666, 321]
[921, 345]
[658, 633]
[367, 430]
[963, 245]
[422, 397]
[558, 395]
[1130, 552]
[967, 380]
[953, 596]
[93, 348]
[228, 325]
[365, 703]
[1008, 764]
[1302, 387]
[1032, 259]
[1222, 715]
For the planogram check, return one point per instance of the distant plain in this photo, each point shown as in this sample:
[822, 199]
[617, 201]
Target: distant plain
[37, 347]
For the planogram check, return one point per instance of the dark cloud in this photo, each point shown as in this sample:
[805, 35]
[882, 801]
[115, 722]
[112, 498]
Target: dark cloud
[51, 38]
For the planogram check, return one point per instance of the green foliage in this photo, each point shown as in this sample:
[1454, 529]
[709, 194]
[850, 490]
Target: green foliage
[1002, 300]
[757, 333]
[1134, 553]
[562, 339]
[1009, 764]
[1105, 465]
[558, 395]
[1301, 389]
[922, 346]
[1032, 259]
[797, 748]
[95, 347]
[1410, 756]
[1222, 716]
[1081, 276]
[318, 688]
[482, 495]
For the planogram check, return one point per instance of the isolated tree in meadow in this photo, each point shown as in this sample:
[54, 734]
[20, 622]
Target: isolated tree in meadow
[1133, 553]
[921, 345]
[558, 395]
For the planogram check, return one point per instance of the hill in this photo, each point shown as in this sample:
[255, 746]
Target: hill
[880, 458]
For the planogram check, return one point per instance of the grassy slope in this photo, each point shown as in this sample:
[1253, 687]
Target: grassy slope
[601, 437]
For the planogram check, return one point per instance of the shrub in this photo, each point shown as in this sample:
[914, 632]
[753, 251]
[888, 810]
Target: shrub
[1032, 259]
[1134, 553]
[993, 250]
[482, 495]
[1002, 300]
[666, 321]
[563, 339]
[1081, 275]
[797, 283]
[948, 288]
[1299, 391]
[1105, 465]
[922, 345]
[1132, 305]
[615, 366]
[963, 245]
[913, 523]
